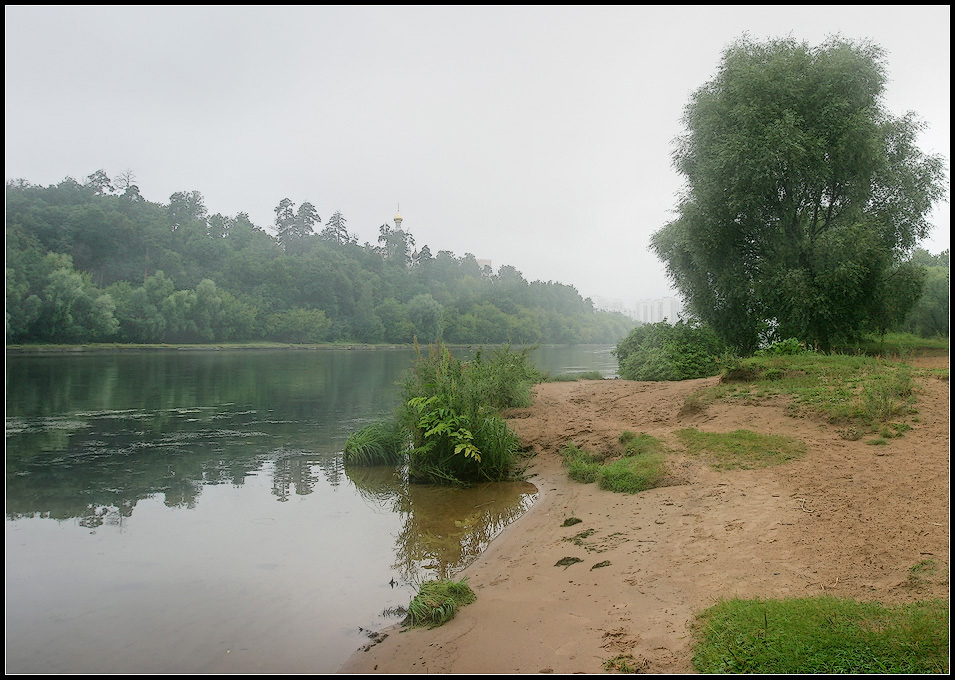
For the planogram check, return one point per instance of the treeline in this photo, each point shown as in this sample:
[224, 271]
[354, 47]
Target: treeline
[96, 262]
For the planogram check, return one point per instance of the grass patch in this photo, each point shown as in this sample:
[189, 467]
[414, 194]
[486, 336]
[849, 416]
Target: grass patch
[574, 377]
[821, 635]
[437, 602]
[641, 467]
[379, 443]
[741, 449]
[632, 474]
[582, 466]
[860, 391]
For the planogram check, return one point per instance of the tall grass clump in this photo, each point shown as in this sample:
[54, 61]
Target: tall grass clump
[437, 602]
[823, 635]
[453, 411]
[378, 443]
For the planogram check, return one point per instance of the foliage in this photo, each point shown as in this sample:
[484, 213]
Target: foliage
[378, 443]
[741, 449]
[930, 315]
[452, 408]
[803, 197]
[662, 351]
[787, 347]
[437, 602]
[109, 245]
[823, 635]
[439, 425]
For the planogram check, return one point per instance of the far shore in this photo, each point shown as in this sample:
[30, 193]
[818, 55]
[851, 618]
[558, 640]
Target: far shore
[216, 347]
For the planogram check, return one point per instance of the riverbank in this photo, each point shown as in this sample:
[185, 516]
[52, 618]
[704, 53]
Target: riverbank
[836, 522]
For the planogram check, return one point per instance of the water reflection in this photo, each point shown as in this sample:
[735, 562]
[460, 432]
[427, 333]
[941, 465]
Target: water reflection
[442, 529]
[162, 505]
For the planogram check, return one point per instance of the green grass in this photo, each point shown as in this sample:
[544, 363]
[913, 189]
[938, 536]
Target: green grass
[437, 602]
[378, 443]
[821, 635]
[573, 377]
[741, 449]
[899, 345]
[858, 391]
[641, 467]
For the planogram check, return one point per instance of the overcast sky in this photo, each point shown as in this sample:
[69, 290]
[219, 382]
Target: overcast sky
[534, 136]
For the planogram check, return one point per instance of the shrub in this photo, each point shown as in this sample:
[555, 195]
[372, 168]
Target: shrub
[788, 347]
[661, 351]
[452, 408]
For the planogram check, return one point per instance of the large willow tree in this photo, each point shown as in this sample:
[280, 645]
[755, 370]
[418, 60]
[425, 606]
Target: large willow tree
[803, 197]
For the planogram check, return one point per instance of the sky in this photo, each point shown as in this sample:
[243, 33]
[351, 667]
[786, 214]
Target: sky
[538, 137]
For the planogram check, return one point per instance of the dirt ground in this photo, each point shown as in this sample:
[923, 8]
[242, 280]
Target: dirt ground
[849, 519]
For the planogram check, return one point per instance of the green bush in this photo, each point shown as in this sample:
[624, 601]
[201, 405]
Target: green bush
[787, 347]
[452, 408]
[661, 351]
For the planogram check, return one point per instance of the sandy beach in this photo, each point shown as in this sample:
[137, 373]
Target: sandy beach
[848, 519]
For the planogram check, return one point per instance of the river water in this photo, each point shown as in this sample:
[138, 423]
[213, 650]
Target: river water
[189, 512]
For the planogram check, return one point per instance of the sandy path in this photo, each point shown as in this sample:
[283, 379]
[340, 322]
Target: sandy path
[849, 519]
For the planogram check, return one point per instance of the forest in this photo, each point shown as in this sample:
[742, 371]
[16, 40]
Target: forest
[94, 261]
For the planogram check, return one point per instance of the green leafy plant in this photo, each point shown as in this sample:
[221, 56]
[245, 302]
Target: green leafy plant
[437, 420]
[453, 410]
[664, 351]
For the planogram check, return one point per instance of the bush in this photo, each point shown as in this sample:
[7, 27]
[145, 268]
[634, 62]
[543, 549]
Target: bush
[660, 351]
[789, 347]
[452, 408]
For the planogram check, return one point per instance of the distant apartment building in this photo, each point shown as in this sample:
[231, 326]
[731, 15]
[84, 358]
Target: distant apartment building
[666, 309]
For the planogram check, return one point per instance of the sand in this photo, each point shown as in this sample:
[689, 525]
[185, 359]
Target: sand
[848, 519]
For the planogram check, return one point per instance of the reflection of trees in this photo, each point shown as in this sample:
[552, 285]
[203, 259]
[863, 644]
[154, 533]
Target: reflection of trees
[443, 528]
[381, 486]
[299, 472]
[107, 430]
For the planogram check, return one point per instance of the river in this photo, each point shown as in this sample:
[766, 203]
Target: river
[189, 511]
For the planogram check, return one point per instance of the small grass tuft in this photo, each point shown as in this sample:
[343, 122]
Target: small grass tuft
[437, 602]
